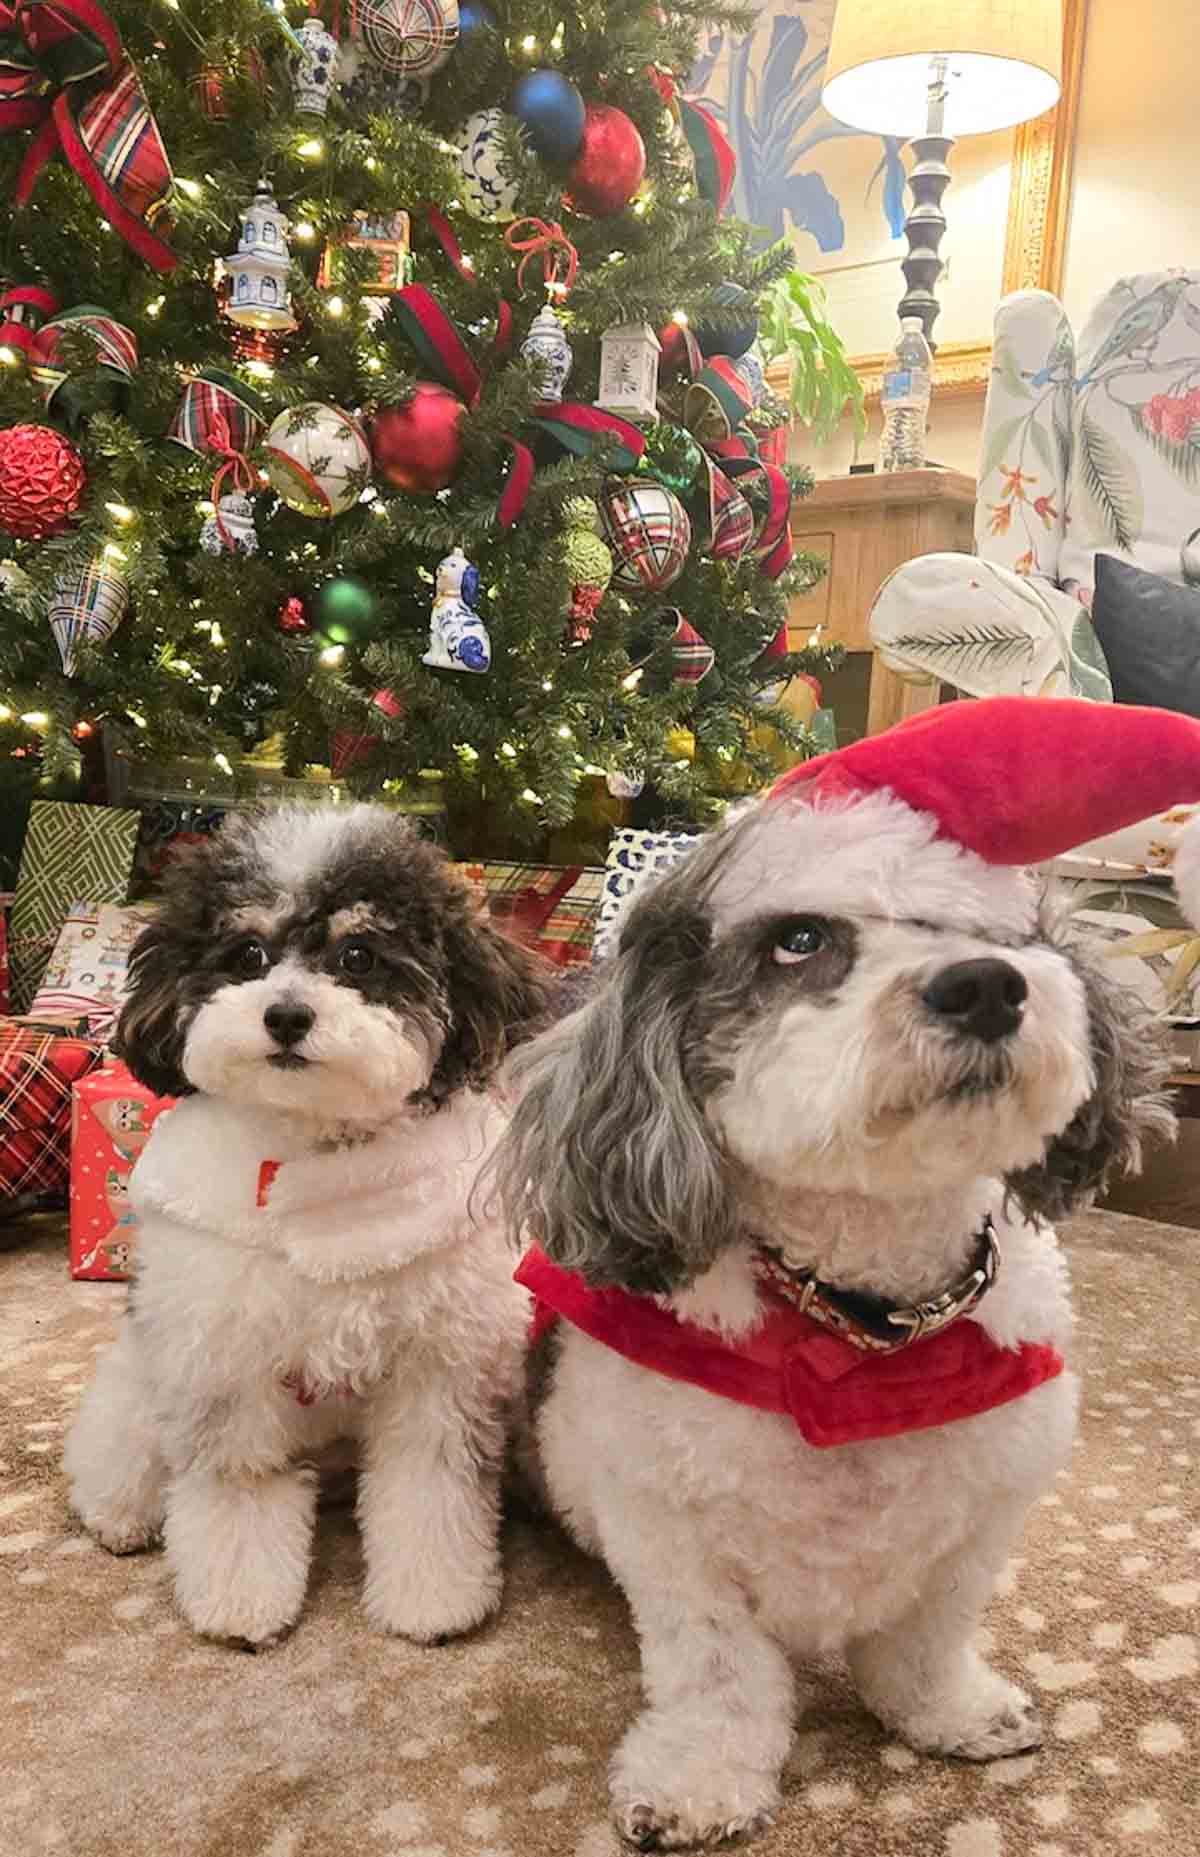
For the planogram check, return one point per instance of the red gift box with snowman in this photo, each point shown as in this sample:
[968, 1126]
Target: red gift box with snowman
[111, 1118]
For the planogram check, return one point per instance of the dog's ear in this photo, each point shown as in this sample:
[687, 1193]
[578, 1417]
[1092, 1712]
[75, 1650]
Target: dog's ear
[610, 1163]
[150, 1030]
[499, 994]
[1127, 1104]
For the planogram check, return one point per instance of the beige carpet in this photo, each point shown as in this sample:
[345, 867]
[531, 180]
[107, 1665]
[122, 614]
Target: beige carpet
[121, 1734]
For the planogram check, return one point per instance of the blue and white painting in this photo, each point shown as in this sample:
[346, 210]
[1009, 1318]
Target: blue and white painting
[792, 175]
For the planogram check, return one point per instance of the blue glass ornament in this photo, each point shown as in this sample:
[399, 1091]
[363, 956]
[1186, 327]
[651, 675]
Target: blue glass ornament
[552, 112]
[474, 17]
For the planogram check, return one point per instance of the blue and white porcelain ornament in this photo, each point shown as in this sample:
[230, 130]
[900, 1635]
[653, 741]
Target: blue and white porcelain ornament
[547, 343]
[749, 368]
[312, 66]
[259, 297]
[412, 38]
[230, 529]
[366, 86]
[486, 190]
[458, 638]
[624, 786]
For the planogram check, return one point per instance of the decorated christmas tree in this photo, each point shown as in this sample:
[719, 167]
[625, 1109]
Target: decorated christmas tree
[380, 395]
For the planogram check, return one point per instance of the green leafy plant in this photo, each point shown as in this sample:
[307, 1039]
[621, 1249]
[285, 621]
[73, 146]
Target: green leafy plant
[794, 325]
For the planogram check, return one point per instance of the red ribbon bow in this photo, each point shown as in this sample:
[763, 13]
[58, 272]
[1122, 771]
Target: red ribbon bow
[560, 260]
[63, 71]
[236, 466]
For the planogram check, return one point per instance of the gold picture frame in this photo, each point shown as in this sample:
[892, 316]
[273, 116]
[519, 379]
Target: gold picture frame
[1038, 208]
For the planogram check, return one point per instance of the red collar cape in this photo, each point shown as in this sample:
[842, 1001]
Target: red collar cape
[835, 1393]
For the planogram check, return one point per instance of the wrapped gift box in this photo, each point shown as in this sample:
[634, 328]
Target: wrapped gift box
[38, 1068]
[111, 1119]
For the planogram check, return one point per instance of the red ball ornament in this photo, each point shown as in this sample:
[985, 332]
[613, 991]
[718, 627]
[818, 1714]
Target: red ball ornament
[42, 480]
[417, 446]
[609, 167]
[292, 616]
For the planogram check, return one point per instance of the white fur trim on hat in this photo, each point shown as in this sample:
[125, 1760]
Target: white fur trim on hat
[1186, 871]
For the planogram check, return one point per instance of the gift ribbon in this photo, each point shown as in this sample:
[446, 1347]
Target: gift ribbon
[560, 260]
[235, 466]
[63, 71]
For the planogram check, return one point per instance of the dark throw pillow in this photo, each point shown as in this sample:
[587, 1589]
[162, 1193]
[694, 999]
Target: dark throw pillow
[1150, 631]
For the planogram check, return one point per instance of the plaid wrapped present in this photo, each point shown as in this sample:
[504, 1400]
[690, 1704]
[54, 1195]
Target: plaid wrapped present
[547, 907]
[38, 1070]
[4, 902]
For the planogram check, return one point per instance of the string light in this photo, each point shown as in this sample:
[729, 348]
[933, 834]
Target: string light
[121, 511]
[304, 230]
[114, 553]
[155, 308]
[313, 148]
[5, 713]
[138, 720]
[529, 43]
[192, 189]
[507, 749]
[374, 364]
[82, 730]
[261, 370]
[332, 654]
[547, 684]
[371, 163]
[335, 306]
[465, 751]
[531, 798]
[556, 43]
[681, 317]
[9, 358]
[633, 680]
[564, 733]
[222, 761]
[36, 718]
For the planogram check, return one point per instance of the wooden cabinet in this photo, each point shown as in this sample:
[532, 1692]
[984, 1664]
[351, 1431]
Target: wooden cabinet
[866, 527]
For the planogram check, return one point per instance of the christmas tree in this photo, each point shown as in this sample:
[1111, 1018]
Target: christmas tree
[289, 300]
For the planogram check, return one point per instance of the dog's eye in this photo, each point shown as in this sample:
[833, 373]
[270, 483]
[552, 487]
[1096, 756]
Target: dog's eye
[799, 941]
[250, 960]
[356, 959]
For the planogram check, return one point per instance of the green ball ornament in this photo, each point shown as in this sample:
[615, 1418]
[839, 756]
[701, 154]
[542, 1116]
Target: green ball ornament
[672, 457]
[345, 610]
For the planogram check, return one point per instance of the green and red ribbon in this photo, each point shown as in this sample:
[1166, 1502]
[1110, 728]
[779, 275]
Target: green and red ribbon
[64, 74]
[748, 500]
[578, 428]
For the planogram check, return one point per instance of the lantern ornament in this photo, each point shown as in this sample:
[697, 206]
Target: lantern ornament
[259, 297]
[629, 369]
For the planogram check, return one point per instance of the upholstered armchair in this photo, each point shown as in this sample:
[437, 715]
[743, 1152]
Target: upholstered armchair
[1090, 446]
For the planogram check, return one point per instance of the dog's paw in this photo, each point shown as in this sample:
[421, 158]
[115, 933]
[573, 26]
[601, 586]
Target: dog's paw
[122, 1538]
[434, 1610]
[651, 1828]
[994, 1721]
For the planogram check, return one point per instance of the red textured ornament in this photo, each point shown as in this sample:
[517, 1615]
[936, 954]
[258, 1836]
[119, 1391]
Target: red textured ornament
[389, 704]
[609, 167]
[42, 480]
[292, 616]
[418, 446]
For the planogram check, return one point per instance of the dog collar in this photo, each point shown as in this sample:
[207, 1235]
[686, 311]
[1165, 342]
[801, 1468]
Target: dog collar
[873, 1323]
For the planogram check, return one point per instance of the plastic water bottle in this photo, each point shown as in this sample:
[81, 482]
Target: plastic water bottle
[906, 394]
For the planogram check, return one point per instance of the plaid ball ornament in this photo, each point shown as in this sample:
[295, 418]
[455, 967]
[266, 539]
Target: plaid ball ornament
[412, 38]
[648, 530]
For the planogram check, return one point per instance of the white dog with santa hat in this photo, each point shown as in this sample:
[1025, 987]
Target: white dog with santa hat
[804, 1325]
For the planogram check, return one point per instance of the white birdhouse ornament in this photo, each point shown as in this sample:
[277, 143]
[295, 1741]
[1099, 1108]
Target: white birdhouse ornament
[259, 297]
[629, 370]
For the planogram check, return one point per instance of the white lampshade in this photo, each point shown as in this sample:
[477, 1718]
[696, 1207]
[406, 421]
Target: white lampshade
[1005, 63]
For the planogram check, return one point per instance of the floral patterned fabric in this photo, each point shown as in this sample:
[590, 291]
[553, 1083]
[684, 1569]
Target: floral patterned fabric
[1090, 446]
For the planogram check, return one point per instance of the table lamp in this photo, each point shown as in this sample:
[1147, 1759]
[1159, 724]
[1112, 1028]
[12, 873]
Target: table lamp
[930, 71]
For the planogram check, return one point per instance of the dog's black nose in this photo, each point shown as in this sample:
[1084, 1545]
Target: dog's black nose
[982, 999]
[288, 1024]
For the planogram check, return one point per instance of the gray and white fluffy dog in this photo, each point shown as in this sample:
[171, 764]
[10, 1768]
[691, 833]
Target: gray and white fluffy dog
[833, 1033]
[330, 1006]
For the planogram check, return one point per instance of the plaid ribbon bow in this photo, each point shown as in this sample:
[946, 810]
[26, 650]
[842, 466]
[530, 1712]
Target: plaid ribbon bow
[64, 74]
[747, 501]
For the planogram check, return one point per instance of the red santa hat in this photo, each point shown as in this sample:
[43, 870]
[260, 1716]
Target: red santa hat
[1019, 780]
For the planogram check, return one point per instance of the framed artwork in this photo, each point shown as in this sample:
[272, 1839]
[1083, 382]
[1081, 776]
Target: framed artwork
[842, 195]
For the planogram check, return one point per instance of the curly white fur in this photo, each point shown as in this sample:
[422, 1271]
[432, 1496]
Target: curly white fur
[865, 1139]
[351, 1294]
